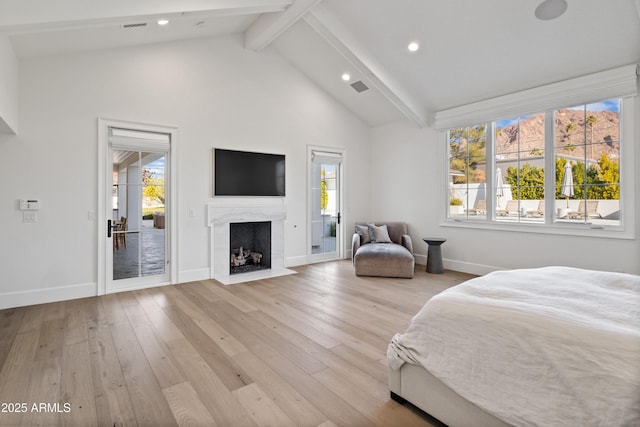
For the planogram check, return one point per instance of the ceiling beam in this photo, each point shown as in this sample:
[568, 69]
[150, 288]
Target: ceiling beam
[268, 27]
[34, 15]
[341, 39]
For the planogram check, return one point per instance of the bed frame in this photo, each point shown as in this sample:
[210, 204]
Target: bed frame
[414, 384]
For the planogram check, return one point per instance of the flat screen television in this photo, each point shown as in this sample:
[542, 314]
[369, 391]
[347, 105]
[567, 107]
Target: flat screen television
[243, 173]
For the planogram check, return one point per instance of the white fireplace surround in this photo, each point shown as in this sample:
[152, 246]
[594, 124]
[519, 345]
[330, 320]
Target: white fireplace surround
[219, 218]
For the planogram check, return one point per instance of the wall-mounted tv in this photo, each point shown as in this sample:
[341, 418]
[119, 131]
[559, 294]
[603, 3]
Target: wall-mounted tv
[243, 173]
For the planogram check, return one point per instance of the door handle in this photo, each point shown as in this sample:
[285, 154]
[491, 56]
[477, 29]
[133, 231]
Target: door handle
[338, 217]
[108, 228]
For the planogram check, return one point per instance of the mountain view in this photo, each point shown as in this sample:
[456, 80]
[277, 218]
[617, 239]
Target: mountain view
[601, 127]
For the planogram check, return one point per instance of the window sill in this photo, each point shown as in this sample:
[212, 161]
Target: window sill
[563, 229]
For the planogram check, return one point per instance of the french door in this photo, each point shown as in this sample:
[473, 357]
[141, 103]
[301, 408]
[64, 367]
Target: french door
[325, 204]
[136, 214]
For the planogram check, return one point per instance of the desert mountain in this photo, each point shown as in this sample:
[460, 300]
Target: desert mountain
[599, 129]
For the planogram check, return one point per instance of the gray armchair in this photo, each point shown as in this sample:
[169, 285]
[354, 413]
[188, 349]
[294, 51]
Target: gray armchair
[376, 253]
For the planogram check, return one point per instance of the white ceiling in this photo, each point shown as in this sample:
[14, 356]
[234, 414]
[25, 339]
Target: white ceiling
[469, 50]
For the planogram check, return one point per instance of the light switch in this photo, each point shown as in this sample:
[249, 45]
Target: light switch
[91, 215]
[192, 212]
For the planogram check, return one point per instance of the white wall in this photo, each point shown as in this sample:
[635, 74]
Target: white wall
[8, 87]
[218, 95]
[407, 177]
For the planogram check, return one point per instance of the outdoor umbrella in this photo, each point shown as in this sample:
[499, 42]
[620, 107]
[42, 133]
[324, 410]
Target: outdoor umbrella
[499, 188]
[567, 183]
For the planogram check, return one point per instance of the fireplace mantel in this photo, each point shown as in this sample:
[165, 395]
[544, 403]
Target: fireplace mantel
[220, 216]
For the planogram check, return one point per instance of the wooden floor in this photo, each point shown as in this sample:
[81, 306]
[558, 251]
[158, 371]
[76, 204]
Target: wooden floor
[302, 350]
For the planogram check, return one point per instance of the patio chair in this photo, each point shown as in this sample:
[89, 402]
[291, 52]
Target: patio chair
[480, 208]
[586, 209]
[537, 212]
[122, 232]
[510, 209]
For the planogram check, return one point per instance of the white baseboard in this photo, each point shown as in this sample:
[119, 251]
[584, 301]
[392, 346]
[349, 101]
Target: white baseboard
[45, 295]
[296, 261]
[194, 275]
[420, 259]
[468, 267]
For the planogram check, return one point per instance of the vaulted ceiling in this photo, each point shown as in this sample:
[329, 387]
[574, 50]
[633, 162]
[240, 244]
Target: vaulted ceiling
[469, 50]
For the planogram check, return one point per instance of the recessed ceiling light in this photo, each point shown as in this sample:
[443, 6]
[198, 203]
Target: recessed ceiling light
[163, 21]
[413, 46]
[346, 77]
[550, 9]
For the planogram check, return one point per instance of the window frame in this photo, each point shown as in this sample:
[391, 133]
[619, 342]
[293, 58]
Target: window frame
[568, 94]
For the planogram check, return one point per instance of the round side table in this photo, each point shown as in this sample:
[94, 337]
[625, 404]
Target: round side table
[434, 254]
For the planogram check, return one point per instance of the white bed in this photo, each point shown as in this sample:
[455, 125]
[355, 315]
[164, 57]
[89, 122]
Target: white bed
[552, 346]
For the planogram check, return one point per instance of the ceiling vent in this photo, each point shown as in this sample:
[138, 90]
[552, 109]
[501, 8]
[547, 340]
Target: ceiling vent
[136, 25]
[359, 86]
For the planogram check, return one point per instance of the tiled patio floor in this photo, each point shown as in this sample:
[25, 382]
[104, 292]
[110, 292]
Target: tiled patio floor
[144, 254]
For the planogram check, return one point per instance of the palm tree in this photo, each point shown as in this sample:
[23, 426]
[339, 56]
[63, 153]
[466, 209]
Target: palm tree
[591, 121]
[567, 130]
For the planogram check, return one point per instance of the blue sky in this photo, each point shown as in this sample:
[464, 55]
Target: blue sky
[611, 105]
[508, 122]
[157, 167]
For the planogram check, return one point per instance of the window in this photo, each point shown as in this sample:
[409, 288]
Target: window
[581, 149]
[587, 146]
[467, 170]
[519, 167]
[558, 158]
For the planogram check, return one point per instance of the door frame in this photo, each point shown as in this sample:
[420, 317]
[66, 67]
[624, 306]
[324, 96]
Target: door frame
[104, 199]
[340, 235]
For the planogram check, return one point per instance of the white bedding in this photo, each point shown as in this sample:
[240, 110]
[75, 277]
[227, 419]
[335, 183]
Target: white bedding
[553, 346]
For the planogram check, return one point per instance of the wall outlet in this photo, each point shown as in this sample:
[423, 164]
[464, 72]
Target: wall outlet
[91, 215]
[29, 217]
[192, 213]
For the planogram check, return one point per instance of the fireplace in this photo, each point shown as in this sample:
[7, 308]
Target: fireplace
[222, 217]
[250, 244]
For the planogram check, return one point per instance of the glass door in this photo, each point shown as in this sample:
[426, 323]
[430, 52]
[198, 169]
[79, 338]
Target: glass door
[137, 217]
[325, 205]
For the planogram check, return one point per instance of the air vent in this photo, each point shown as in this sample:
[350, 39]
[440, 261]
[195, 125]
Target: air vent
[136, 25]
[359, 86]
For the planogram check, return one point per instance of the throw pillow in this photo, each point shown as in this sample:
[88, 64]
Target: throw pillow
[379, 234]
[363, 231]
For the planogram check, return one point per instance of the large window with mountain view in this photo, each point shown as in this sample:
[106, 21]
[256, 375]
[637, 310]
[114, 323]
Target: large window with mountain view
[559, 166]
[520, 157]
[587, 150]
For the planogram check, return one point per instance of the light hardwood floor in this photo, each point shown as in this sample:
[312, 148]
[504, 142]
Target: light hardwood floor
[302, 350]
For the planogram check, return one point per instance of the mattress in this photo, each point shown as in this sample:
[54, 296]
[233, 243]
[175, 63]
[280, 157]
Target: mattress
[548, 346]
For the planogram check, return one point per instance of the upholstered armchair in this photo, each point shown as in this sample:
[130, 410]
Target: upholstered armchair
[383, 249]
